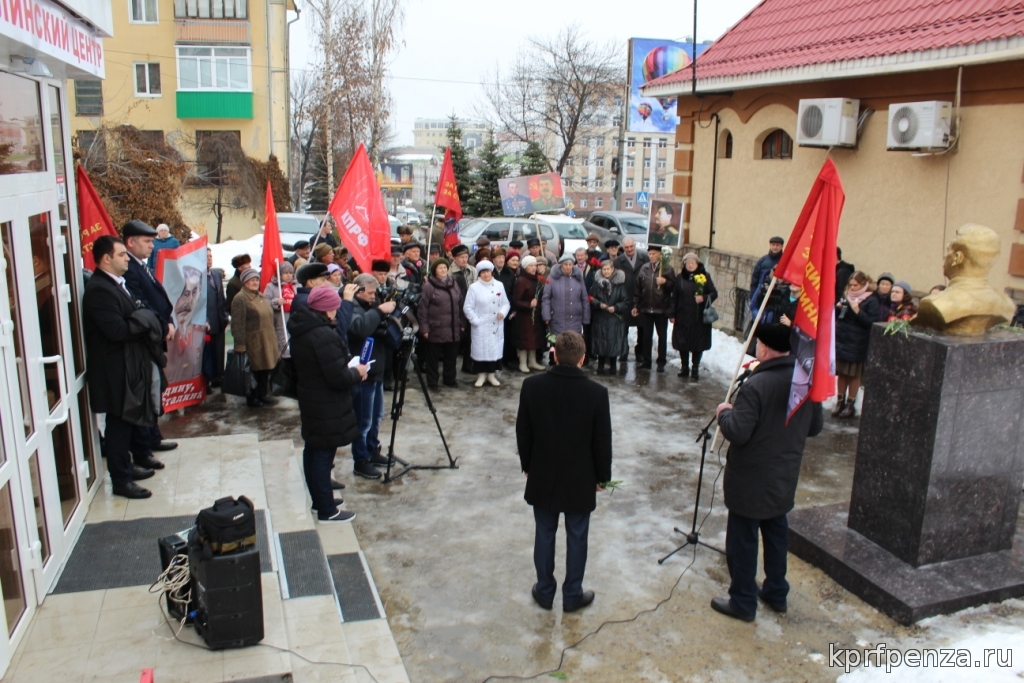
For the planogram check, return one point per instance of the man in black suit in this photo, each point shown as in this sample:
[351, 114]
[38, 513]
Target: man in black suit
[138, 238]
[630, 261]
[564, 433]
[106, 307]
[216, 323]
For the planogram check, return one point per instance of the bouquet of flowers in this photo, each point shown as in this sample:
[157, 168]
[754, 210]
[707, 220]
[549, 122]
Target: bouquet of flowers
[538, 294]
[594, 262]
[700, 280]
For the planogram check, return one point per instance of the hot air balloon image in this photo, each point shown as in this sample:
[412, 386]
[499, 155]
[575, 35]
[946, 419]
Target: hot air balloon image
[667, 102]
[644, 110]
[664, 60]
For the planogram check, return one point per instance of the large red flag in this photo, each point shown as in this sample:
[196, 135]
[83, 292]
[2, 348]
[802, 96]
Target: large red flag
[810, 261]
[273, 254]
[93, 219]
[447, 196]
[358, 211]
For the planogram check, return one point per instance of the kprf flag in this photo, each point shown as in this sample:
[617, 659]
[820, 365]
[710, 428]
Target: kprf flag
[93, 219]
[273, 255]
[358, 211]
[810, 261]
[447, 197]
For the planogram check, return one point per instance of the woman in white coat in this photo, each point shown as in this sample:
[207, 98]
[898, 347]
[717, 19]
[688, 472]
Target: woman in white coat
[486, 306]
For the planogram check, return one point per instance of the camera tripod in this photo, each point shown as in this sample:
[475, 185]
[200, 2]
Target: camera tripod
[402, 358]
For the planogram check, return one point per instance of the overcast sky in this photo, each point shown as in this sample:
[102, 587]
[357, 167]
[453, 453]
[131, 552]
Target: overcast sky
[451, 46]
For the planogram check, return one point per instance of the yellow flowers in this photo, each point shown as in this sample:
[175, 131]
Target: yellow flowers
[701, 279]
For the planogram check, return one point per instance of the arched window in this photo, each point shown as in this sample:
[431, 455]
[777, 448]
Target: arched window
[777, 145]
[725, 144]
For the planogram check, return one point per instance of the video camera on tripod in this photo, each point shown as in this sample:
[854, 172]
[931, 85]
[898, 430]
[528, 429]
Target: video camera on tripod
[406, 298]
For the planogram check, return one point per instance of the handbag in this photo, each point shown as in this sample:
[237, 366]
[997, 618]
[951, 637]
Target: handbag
[710, 314]
[285, 380]
[238, 378]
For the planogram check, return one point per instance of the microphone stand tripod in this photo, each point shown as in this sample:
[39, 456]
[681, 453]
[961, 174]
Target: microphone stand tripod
[693, 538]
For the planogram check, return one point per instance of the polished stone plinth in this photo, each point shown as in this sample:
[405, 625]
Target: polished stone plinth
[940, 456]
[908, 594]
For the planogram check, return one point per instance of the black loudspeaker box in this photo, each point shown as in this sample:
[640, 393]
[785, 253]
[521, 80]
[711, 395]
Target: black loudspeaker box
[172, 547]
[228, 597]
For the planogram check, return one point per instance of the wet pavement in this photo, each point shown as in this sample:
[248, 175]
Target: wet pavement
[451, 550]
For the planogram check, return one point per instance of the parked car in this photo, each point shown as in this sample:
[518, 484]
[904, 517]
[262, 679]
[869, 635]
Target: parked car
[571, 230]
[622, 224]
[502, 230]
[295, 227]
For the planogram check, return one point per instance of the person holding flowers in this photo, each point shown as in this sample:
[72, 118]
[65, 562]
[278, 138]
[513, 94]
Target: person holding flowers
[530, 330]
[652, 302]
[608, 302]
[691, 336]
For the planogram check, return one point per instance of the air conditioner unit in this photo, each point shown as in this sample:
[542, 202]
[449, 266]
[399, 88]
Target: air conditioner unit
[919, 125]
[827, 122]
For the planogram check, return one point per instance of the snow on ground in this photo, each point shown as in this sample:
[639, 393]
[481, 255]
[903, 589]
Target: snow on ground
[225, 251]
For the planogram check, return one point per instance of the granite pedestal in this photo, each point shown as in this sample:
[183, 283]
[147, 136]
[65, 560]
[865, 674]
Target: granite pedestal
[932, 517]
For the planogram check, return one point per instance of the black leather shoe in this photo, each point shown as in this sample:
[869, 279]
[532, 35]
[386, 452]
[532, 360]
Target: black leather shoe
[165, 446]
[337, 502]
[644, 366]
[268, 400]
[585, 599]
[781, 609]
[661, 368]
[336, 485]
[140, 473]
[725, 606]
[149, 462]
[131, 490]
[546, 604]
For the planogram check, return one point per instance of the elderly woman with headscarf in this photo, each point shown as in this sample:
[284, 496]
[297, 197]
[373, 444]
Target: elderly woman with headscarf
[608, 301]
[280, 295]
[486, 307]
[325, 383]
[252, 325]
[694, 292]
[565, 306]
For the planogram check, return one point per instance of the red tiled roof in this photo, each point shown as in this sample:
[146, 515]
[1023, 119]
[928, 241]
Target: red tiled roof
[780, 34]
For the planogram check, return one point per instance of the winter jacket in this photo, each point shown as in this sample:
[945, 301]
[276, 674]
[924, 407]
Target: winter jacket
[902, 311]
[649, 296]
[144, 361]
[440, 310]
[844, 271]
[564, 434]
[608, 329]
[170, 243]
[145, 287]
[762, 269]
[764, 450]
[216, 306]
[631, 271]
[853, 330]
[885, 307]
[690, 333]
[366, 322]
[273, 292]
[324, 381]
[507, 277]
[590, 272]
[483, 303]
[565, 305]
[530, 328]
[252, 326]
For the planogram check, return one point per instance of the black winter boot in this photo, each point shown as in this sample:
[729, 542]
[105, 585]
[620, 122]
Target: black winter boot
[600, 365]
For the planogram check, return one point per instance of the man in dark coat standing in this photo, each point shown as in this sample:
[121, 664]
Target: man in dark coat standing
[216, 323]
[107, 306]
[564, 433]
[630, 261]
[761, 475]
[138, 238]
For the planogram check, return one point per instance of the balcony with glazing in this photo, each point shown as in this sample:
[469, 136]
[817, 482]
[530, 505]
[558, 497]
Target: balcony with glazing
[212, 31]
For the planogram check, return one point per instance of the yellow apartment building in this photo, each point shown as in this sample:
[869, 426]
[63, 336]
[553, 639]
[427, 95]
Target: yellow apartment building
[187, 69]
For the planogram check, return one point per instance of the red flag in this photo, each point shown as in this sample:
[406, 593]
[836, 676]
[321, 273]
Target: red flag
[810, 261]
[358, 211]
[93, 219]
[273, 255]
[448, 197]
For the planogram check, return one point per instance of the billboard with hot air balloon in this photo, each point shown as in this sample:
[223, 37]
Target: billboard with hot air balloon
[649, 59]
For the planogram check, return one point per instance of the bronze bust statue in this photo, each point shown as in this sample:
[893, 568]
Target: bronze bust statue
[969, 305]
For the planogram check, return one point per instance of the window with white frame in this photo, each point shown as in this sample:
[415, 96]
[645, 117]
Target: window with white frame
[661, 184]
[661, 163]
[212, 9]
[142, 11]
[662, 143]
[629, 203]
[647, 143]
[647, 163]
[630, 143]
[631, 163]
[647, 184]
[599, 184]
[147, 79]
[629, 183]
[599, 202]
[583, 203]
[599, 161]
[214, 68]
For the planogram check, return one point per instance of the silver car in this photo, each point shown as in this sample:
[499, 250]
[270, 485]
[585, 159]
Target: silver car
[623, 224]
[502, 230]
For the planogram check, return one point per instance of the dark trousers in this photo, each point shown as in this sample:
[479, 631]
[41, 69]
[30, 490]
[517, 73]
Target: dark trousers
[120, 441]
[577, 526]
[448, 353]
[262, 388]
[317, 464]
[465, 348]
[649, 323]
[213, 357]
[684, 357]
[631, 322]
[741, 555]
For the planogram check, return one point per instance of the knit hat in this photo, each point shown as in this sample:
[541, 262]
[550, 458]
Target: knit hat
[567, 257]
[527, 262]
[436, 263]
[511, 253]
[322, 250]
[484, 265]
[310, 271]
[690, 256]
[775, 336]
[905, 286]
[323, 299]
[248, 274]
[333, 268]
[887, 276]
[286, 267]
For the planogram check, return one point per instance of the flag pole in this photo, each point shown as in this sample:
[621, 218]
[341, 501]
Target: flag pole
[280, 288]
[430, 232]
[739, 363]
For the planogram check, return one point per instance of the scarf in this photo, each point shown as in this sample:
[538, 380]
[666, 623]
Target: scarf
[859, 297]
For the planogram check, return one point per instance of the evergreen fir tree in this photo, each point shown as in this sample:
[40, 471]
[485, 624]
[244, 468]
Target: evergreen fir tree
[485, 200]
[460, 161]
[534, 160]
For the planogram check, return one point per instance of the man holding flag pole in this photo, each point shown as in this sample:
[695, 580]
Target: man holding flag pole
[779, 406]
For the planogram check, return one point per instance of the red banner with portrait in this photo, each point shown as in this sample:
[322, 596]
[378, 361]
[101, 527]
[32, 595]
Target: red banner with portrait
[183, 274]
